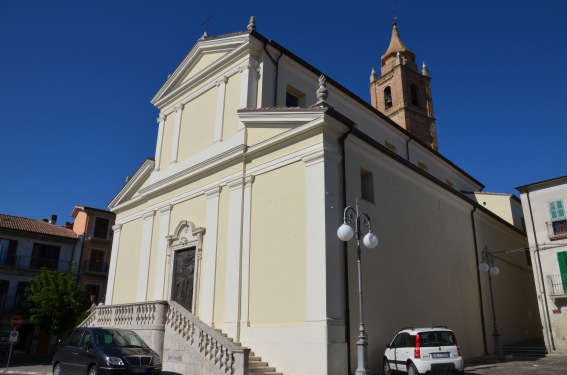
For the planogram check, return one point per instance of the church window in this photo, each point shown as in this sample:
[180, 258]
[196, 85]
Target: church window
[366, 185]
[413, 92]
[387, 97]
[294, 97]
[101, 227]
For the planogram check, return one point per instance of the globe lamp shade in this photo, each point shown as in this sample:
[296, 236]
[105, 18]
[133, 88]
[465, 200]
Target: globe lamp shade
[370, 240]
[494, 271]
[345, 232]
[483, 267]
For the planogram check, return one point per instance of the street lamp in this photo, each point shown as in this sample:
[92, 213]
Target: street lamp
[487, 265]
[370, 240]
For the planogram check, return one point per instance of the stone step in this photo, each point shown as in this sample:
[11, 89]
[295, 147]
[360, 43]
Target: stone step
[261, 370]
[257, 364]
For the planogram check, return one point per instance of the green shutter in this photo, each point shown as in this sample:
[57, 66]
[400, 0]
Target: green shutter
[560, 210]
[553, 211]
[562, 260]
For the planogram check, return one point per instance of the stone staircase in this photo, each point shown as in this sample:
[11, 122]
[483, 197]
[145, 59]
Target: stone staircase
[255, 364]
[530, 348]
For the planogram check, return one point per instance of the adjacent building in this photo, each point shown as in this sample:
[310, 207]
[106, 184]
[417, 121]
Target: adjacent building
[544, 211]
[95, 227]
[27, 246]
[232, 225]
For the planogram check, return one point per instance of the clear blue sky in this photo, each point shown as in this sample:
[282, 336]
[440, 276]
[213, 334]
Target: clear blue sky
[76, 78]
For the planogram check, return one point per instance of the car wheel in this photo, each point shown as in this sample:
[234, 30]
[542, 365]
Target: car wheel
[57, 369]
[387, 369]
[92, 370]
[412, 370]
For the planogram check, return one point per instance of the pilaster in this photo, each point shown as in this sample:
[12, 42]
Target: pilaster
[176, 131]
[161, 124]
[144, 260]
[207, 300]
[219, 119]
[159, 283]
[246, 222]
[113, 259]
[234, 259]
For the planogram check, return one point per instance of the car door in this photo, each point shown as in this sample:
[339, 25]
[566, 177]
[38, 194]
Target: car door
[396, 344]
[85, 354]
[403, 351]
[67, 354]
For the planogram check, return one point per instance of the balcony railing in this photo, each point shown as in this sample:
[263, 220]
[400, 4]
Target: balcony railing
[95, 267]
[19, 263]
[557, 285]
[557, 229]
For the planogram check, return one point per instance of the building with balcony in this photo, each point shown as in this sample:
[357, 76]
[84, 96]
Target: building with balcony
[95, 226]
[27, 246]
[543, 203]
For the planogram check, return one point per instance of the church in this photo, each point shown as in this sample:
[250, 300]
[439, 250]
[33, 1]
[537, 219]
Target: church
[225, 254]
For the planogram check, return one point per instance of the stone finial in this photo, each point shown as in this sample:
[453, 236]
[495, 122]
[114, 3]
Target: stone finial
[205, 35]
[373, 76]
[424, 70]
[252, 24]
[322, 92]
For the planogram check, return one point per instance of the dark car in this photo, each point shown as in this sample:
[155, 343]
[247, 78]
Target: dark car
[93, 350]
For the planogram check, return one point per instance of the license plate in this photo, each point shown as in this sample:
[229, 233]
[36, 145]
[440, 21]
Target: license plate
[439, 355]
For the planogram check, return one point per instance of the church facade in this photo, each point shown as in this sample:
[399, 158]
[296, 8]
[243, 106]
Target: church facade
[234, 221]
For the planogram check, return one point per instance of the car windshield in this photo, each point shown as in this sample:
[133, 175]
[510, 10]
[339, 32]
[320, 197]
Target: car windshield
[118, 338]
[437, 338]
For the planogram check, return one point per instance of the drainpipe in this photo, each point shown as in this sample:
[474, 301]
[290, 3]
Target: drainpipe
[407, 149]
[549, 330]
[482, 322]
[276, 65]
[345, 247]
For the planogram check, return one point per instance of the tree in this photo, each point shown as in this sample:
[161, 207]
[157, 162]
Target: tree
[53, 301]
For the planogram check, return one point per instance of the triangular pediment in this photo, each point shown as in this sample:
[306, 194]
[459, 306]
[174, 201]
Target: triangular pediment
[207, 57]
[132, 187]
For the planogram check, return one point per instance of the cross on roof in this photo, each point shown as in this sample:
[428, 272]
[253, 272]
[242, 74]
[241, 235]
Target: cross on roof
[206, 22]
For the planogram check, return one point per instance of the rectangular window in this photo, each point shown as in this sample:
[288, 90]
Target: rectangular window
[294, 97]
[96, 261]
[366, 185]
[101, 227]
[390, 146]
[45, 256]
[557, 211]
[8, 252]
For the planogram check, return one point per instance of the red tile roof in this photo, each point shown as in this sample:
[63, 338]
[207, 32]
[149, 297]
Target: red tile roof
[34, 226]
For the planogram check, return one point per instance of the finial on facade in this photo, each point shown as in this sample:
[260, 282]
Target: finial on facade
[205, 35]
[252, 24]
[424, 70]
[373, 76]
[322, 92]
[398, 58]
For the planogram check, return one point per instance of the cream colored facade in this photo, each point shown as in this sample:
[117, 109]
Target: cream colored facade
[256, 189]
[548, 243]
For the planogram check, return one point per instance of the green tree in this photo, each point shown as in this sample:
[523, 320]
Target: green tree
[53, 301]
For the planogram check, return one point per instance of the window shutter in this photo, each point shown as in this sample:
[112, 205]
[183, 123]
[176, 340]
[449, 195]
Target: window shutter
[562, 260]
[560, 210]
[557, 210]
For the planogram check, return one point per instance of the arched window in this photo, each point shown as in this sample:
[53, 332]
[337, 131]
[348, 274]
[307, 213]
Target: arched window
[387, 97]
[413, 93]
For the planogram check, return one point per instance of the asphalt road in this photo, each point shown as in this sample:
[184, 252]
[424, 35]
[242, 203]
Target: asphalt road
[553, 364]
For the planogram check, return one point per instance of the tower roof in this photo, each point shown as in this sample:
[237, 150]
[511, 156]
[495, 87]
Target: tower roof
[396, 45]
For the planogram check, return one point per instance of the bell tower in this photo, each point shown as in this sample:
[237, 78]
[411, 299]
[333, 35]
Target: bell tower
[403, 93]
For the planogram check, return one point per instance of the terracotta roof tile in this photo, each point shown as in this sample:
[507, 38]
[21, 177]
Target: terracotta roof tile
[34, 226]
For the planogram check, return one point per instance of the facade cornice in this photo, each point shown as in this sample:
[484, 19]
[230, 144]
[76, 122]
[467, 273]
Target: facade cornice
[133, 183]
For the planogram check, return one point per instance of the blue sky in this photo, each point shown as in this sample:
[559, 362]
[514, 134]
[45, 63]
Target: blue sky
[76, 78]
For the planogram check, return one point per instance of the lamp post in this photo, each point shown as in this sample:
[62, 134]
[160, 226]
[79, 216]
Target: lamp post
[345, 232]
[487, 265]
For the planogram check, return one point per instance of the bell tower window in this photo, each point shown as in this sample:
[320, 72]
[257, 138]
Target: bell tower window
[387, 97]
[413, 93]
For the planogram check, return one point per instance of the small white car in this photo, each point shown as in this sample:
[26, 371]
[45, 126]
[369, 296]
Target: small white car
[424, 350]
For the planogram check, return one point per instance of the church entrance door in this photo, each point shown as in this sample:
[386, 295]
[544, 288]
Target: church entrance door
[183, 276]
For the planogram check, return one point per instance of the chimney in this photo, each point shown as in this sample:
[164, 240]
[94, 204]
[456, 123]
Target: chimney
[53, 219]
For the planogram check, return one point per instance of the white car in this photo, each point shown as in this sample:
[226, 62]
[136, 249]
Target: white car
[424, 350]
